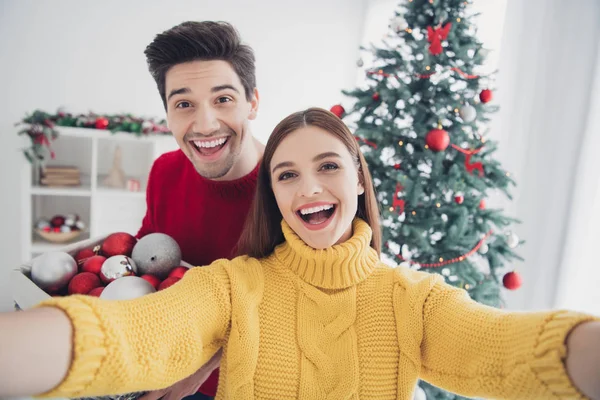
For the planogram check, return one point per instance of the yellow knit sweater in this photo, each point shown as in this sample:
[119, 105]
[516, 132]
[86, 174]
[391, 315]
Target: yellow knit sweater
[316, 324]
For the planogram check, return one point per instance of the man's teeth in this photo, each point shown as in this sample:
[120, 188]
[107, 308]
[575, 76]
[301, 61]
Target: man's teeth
[313, 210]
[209, 144]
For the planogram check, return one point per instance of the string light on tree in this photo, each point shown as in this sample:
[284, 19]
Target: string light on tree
[398, 24]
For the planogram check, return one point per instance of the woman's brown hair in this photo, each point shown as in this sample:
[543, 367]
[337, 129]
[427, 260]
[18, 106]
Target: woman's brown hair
[262, 231]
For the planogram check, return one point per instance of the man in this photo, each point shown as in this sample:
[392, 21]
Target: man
[200, 194]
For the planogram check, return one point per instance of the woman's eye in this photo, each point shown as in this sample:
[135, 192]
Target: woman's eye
[285, 176]
[183, 104]
[329, 166]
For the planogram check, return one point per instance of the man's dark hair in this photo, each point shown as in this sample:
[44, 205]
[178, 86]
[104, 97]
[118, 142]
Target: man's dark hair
[204, 41]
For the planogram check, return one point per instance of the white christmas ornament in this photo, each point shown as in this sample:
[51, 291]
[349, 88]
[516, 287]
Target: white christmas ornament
[468, 113]
[398, 24]
[484, 248]
[117, 267]
[512, 240]
[53, 270]
[128, 287]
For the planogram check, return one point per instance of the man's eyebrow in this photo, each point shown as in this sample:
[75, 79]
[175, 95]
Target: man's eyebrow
[223, 87]
[175, 92]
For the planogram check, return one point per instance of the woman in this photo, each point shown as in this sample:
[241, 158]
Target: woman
[309, 313]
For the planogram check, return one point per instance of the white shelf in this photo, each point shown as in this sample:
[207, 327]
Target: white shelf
[103, 209]
[106, 191]
[85, 189]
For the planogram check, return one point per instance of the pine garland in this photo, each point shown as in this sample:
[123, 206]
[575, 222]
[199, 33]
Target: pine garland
[40, 127]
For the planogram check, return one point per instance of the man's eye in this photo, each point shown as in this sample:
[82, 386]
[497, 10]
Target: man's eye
[183, 104]
[223, 99]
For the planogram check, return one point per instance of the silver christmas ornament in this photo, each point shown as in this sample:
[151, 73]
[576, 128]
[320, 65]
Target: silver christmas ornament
[398, 24]
[65, 229]
[42, 223]
[419, 394]
[360, 63]
[512, 240]
[468, 113]
[53, 270]
[156, 254]
[128, 287]
[116, 267]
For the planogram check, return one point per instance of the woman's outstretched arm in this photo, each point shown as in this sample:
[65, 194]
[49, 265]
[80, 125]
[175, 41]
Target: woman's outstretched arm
[34, 343]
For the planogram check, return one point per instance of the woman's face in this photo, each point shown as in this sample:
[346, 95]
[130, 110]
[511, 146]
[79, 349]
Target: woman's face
[316, 186]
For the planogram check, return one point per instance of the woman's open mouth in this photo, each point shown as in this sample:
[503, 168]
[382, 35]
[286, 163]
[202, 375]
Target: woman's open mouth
[317, 216]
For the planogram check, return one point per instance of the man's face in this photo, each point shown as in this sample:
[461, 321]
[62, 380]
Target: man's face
[208, 114]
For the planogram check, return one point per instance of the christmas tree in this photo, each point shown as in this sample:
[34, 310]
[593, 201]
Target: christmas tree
[421, 119]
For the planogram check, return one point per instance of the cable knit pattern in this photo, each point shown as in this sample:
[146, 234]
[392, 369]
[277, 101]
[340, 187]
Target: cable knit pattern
[316, 324]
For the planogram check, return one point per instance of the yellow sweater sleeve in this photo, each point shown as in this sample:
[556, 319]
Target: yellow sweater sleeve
[146, 343]
[480, 351]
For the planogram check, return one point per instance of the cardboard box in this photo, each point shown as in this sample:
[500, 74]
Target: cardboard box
[25, 293]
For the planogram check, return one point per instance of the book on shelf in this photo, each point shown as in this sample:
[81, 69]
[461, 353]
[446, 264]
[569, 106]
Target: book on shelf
[60, 176]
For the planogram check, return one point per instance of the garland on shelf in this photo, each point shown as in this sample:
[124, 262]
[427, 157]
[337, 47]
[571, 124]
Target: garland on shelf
[41, 129]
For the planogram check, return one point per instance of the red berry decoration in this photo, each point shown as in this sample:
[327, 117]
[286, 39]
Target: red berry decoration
[482, 205]
[376, 96]
[168, 282]
[101, 123]
[338, 110]
[93, 264]
[396, 166]
[96, 292]
[57, 221]
[119, 243]
[485, 96]
[153, 280]
[437, 139]
[459, 199]
[512, 280]
[178, 272]
[83, 283]
[82, 256]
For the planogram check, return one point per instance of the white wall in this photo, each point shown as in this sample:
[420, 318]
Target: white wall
[547, 64]
[88, 56]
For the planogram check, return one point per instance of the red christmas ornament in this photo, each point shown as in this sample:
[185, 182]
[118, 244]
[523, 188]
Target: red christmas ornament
[338, 110]
[101, 123]
[168, 282]
[154, 281]
[119, 243]
[82, 256]
[93, 264]
[96, 292]
[397, 166]
[56, 229]
[375, 96]
[178, 272]
[83, 283]
[57, 221]
[437, 139]
[459, 199]
[485, 96]
[482, 205]
[512, 280]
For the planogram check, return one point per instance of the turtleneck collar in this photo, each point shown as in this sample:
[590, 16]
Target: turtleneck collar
[337, 267]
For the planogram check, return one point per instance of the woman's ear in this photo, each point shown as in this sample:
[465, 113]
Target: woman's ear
[361, 189]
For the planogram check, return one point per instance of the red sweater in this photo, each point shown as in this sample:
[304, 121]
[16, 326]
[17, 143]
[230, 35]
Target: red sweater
[205, 217]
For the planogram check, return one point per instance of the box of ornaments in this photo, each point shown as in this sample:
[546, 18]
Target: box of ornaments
[115, 267]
